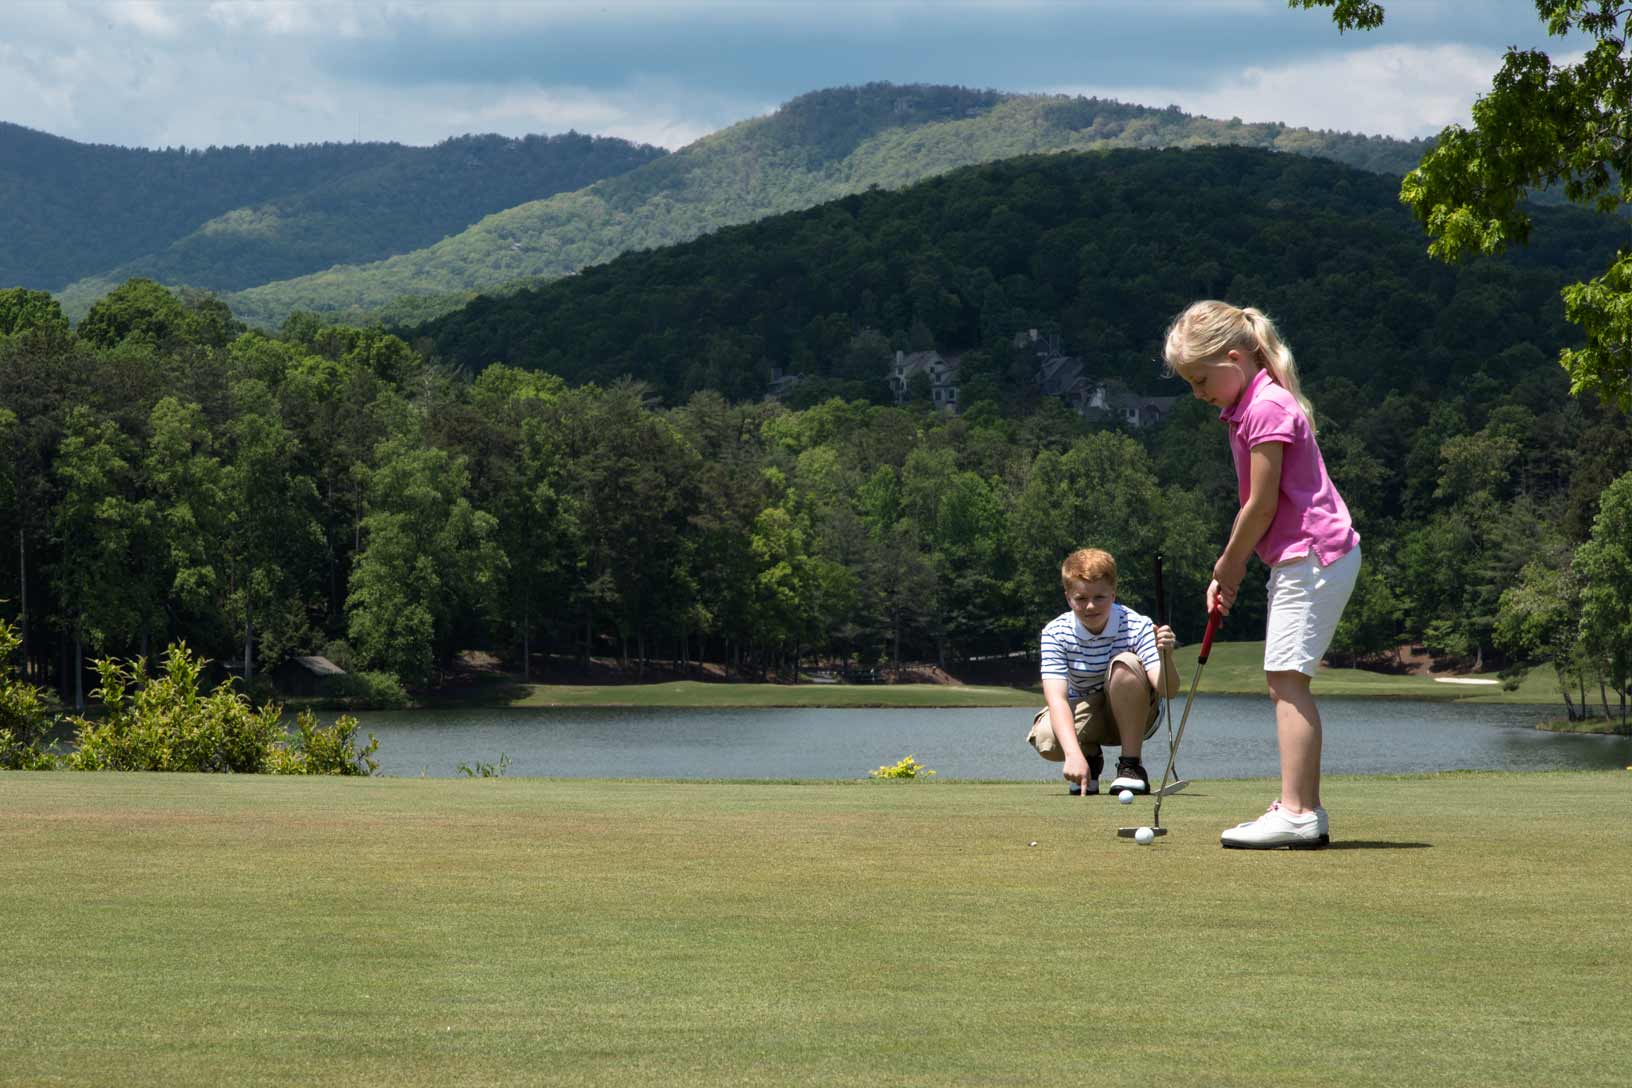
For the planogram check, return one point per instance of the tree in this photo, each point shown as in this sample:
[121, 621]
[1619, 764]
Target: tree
[1538, 619]
[428, 557]
[186, 482]
[22, 309]
[138, 309]
[94, 527]
[1542, 125]
[1604, 564]
[272, 538]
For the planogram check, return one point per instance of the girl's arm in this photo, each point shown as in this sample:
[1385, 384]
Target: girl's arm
[1253, 520]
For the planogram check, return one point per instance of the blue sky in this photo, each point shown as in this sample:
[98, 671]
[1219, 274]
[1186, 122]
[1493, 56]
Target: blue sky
[159, 73]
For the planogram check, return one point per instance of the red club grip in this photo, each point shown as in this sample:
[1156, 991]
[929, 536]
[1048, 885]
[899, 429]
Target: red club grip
[1213, 620]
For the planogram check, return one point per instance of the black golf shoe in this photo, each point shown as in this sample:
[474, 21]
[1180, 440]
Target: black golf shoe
[1130, 775]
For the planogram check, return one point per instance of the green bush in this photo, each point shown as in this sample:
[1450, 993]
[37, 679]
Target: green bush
[165, 722]
[315, 749]
[25, 716]
[909, 767]
[368, 691]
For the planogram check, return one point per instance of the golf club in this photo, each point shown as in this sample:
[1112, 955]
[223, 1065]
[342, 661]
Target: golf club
[1156, 827]
[1167, 670]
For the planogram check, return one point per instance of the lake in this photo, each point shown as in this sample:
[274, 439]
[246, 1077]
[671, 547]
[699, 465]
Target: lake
[1228, 737]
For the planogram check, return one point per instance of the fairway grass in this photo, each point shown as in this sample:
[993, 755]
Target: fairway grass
[1465, 929]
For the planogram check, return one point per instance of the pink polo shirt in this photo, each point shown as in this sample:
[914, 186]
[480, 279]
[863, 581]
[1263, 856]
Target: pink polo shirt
[1310, 516]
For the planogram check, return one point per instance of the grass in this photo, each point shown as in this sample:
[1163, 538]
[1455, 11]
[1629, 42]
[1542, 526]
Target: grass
[180, 930]
[692, 693]
[1235, 668]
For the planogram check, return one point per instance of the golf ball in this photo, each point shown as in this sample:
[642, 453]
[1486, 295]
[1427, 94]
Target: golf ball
[1126, 797]
[1144, 836]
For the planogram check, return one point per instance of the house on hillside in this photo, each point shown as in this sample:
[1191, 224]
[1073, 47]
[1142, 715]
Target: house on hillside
[781, 383]
[1066, 376]
[941, 371]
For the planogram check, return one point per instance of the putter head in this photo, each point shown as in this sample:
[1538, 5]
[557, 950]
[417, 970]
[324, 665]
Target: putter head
[1129, 832]
[1173, 787]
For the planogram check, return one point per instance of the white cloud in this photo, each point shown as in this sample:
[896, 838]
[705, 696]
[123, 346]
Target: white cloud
[1405, 91]
[144, 16]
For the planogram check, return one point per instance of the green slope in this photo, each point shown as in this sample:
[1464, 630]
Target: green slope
[414, 197]
[816, 148]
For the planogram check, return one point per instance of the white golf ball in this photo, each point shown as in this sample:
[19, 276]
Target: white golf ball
[1126, 797]
[1144, 836]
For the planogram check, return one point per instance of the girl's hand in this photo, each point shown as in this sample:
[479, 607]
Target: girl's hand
[1219, 598]
[1229, 575]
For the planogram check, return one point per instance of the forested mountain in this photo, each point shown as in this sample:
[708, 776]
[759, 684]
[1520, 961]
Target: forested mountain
[165, 474]
[226, 218]
[815, 148]
[1100, 248]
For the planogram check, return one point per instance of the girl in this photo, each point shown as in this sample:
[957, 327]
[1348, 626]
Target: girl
[1298, 524]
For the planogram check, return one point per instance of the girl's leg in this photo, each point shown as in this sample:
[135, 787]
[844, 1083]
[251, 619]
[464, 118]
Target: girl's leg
[1297, 726]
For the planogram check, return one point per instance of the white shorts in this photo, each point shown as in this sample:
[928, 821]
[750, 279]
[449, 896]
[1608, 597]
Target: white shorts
[1305, 602]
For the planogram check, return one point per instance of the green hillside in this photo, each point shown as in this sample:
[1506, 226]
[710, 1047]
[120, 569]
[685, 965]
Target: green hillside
[1101, 248]
[91, 217]
[816, 148]
[412, 199]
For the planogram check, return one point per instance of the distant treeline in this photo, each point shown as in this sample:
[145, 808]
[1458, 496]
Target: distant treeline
[166, 475]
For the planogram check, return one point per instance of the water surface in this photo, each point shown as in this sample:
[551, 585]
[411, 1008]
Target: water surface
[1227, 737]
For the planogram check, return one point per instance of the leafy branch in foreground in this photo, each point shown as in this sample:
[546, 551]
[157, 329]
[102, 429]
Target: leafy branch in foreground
[1541, 125]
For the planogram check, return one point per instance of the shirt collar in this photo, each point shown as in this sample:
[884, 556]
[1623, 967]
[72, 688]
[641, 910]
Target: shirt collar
[1235, 411]
[1113, 626]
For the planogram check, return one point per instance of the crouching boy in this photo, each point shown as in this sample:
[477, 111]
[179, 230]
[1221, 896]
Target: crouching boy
[1101, 670]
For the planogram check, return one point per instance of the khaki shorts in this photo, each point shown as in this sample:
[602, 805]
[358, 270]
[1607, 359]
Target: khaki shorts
[1096, 725]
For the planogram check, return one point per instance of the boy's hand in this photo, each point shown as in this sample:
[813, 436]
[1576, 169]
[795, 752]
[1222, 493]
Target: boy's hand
[1165, 639]
[1076, 770]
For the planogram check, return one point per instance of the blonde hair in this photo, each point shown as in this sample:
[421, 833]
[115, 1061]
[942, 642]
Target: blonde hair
[1209, 328]
[1088, 565]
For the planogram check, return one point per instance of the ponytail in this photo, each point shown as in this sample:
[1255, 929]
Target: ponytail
[1277, 359]
[1209, 328]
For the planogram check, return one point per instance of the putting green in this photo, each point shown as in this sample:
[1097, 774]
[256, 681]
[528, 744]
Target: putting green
[1466, 929]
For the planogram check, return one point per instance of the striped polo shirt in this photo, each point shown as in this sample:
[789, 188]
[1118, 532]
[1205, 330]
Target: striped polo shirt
[1079, 657]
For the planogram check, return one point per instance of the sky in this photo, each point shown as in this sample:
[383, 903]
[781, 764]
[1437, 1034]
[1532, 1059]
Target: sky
[197, 73]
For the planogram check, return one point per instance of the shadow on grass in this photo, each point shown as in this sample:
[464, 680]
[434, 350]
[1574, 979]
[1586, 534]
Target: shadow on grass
[1376, 844]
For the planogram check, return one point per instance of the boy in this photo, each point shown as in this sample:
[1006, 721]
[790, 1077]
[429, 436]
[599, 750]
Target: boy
[1101, 669]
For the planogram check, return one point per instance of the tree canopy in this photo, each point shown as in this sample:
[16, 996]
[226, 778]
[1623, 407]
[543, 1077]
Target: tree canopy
[1542, 125]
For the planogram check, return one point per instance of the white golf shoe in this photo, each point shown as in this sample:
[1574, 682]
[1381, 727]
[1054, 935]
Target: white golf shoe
[1277, 828]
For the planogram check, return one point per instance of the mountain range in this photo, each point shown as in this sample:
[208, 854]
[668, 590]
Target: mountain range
[368, 231]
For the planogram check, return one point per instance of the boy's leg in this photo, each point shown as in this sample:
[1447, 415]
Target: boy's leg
[1297, 727]
[1088, 715]
[1130, 699]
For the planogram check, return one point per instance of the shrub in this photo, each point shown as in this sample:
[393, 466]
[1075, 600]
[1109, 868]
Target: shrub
[909, 767]
[164, 722]
[368, 691]
[315, 749]
[486, 770]
[25, 716]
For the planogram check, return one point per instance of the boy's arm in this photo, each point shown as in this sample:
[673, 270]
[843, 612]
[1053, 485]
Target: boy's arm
[1252, 522]
[1064, 724]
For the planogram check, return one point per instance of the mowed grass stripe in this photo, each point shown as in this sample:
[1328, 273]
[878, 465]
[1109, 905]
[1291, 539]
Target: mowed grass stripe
[1465, 929]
